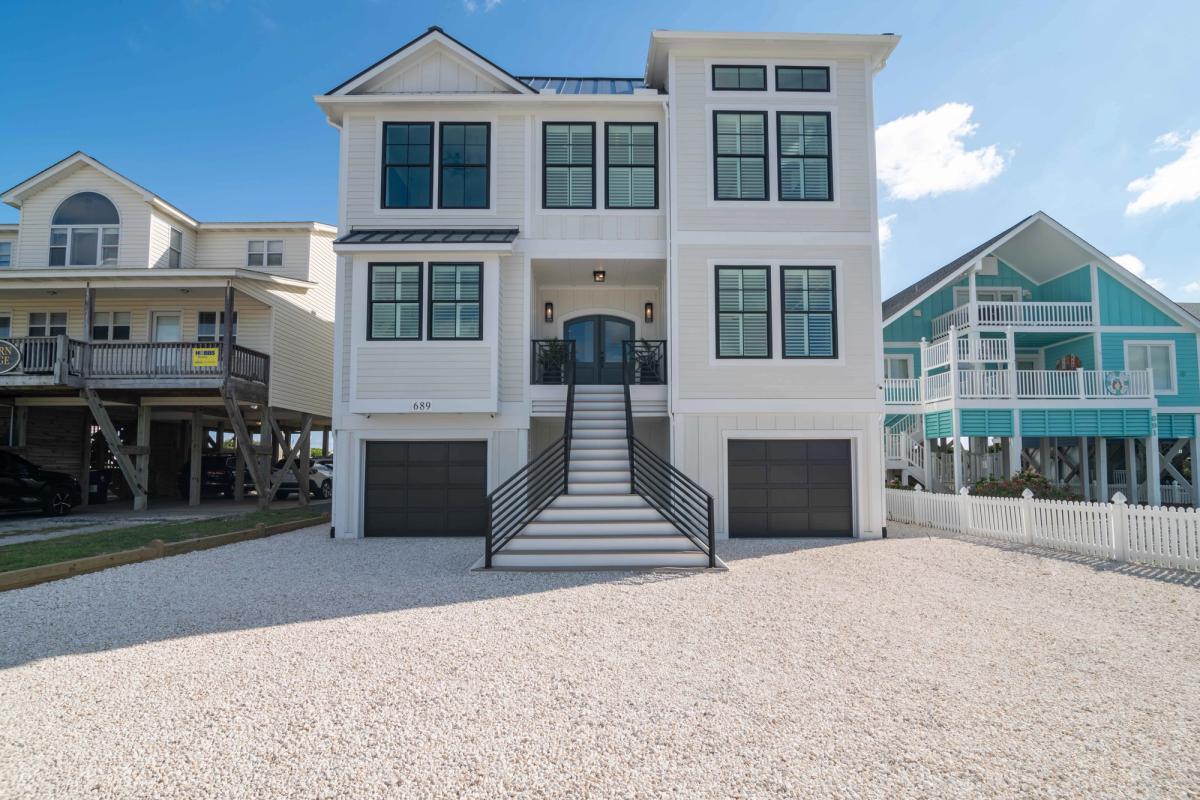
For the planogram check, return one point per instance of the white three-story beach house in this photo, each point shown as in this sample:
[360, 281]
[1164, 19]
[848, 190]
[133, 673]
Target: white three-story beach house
[610, 321]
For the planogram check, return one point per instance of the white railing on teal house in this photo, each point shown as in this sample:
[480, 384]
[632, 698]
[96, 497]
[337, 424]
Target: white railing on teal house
[1024, 314]
[1023, 384]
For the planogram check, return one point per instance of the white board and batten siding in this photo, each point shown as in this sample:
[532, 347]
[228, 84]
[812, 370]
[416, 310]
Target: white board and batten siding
[1159, 536]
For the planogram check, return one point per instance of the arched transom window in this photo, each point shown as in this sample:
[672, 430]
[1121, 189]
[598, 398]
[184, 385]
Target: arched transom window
[85, 232]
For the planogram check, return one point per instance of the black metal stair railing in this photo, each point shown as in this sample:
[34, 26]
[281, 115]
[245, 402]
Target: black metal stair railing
[518, 500]
[679, 499]
[645, 361]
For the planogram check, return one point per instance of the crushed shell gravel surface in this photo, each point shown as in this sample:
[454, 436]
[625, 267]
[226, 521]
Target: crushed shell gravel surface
[300, 667]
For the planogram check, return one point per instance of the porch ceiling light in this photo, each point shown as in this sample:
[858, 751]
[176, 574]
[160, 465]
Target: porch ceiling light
[548, 312]
[649, 312]
[598, 276]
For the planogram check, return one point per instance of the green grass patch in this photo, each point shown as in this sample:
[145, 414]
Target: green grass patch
[81, 545]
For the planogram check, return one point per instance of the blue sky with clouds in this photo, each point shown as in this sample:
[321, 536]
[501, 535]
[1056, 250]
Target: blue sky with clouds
[986, 111]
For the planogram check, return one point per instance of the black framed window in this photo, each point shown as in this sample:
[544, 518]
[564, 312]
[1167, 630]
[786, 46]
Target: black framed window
[631, 165]
[739, 78]
[809, 312]
[805, 156]
[394, 306]
[463, 179]
[568, 165]
[455, 301]
[407, 165]
[740, 155]
[802, 79]
[210, 326]
[743, 312]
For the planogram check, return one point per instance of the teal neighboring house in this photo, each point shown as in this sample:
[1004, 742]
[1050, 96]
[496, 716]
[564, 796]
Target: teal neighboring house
[1036, 350]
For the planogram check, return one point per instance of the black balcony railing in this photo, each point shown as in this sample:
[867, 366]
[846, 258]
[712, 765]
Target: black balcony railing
[552, 361]
[645, 362]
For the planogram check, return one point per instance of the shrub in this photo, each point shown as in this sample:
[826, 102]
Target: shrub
[1014, 487]
[895, 483]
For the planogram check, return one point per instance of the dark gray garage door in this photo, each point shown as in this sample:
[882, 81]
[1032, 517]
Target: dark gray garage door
[426, 489]
[782, 487]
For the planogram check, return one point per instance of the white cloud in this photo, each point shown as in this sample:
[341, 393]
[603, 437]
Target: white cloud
[924, 154]
[471, 6]
[885, 230]
[1138, 267]
[1170, 184]
[1192, 288]
[1132, 263]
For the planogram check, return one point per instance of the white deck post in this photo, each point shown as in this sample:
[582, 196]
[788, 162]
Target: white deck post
[1131, 481]
[956, 430]
[1045, 457]
[1014, 445]
[1102, 469]
[1011, 344]
[1085, 468]
[1195, 448]
[1153, 471]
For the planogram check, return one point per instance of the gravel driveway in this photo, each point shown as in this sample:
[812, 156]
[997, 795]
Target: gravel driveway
[301, 667]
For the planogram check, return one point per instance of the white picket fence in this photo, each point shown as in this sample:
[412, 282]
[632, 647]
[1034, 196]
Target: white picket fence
[1163, 537]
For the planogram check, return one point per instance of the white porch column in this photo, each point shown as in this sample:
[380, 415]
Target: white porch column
[1011, 344]
[1102, 470]
[1195, 454]
[1014, 445]
[956, 428]
[1085, 468]
[1153, 471]
[1045, 454]
[1131, 481]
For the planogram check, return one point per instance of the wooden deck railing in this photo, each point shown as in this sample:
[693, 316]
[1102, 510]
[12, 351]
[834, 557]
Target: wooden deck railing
[150, 361]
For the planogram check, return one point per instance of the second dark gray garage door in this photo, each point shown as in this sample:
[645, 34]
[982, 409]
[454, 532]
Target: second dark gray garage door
[425, 489]
[790, 487]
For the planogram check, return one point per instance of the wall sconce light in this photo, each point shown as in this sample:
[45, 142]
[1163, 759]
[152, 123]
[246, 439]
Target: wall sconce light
[548, 312]
[649, 312]
[598, 276]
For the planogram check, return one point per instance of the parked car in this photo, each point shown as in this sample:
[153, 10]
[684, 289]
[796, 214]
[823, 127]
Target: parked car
[24, 486]
[216, 476]
[320, 482]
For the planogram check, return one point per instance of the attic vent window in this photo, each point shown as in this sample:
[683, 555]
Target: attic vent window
[732, 78]
[85, 232]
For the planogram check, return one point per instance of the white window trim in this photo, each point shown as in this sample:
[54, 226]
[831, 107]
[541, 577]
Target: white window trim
[771, 105]
[29, 314]
[775, 312]
[265, 265]
[11, 250]
[171, 230]
[1167, 343]
[961, 293]
[906, 357]
[219, 313]
[70, 229]
[6, 314]
[771, 92]
[90, 333]
[436, 119]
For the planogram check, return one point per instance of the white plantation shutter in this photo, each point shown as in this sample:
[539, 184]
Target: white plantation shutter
[568, 166]
[804, 157]
[632, 165]
[455, 301]
[743, 312]
[741, 155]
[395, 301]
[808, 312]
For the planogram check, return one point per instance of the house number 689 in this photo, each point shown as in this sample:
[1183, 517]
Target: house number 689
[422, 405]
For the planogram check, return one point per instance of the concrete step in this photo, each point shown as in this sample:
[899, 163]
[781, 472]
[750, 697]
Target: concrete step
[599, 476]
[600, 424]
[613, 487]
[617, 544]
[599, 405]
[601, 414]
[610, 453]
[598, 559]
[598, 513]
[588, 443]
[605, 464]
[599, 433]
[590, 502]
[602, 527]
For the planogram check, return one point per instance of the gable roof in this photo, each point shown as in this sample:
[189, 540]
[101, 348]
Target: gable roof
[905, 297]
[1191, 308]
[433, 34]
[902, 301]
[16, 194]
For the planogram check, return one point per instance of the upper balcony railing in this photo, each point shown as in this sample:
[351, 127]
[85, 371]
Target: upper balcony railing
[1021, 384]
[994, 315]
[643, 360]
[58, 359]
[971, 350]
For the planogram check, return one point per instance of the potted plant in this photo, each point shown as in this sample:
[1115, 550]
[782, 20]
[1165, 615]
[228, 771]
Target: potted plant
[552, 357]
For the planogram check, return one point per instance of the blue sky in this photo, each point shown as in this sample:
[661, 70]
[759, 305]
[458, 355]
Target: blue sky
[996, 109]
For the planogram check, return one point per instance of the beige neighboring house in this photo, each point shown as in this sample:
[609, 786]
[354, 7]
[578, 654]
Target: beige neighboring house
[137, 337]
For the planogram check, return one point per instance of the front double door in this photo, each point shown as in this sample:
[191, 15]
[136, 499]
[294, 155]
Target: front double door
[598, 347]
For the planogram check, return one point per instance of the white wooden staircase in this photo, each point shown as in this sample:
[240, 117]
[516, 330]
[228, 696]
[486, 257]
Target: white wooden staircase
[599, 522]
[904, 447]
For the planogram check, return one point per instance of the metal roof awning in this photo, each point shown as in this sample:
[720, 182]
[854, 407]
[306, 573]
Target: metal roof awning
[429, 236]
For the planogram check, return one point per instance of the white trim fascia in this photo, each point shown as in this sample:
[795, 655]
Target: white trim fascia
[56, 278]
[826, 405]
[417, 46]
[316, 227]
[907, 357]
[419, 247]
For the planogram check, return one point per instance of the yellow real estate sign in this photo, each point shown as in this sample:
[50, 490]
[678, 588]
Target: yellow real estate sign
[206, 357]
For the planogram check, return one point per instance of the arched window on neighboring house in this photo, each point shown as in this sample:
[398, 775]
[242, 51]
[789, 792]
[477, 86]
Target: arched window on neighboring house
[85, 232]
